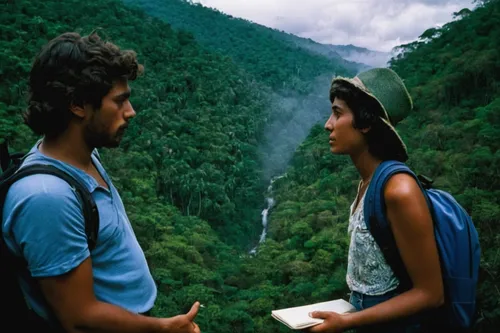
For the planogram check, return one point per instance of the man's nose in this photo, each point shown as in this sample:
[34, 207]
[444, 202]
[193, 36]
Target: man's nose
[130, 112]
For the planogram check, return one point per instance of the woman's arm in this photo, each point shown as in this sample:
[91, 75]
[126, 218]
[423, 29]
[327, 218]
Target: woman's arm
[412, 226]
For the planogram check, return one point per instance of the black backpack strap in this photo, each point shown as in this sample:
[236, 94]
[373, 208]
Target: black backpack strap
[89, 207]
[4, 155]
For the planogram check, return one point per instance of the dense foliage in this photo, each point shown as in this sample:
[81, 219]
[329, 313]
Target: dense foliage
[192, 173]
[262, 51]
[289, 65]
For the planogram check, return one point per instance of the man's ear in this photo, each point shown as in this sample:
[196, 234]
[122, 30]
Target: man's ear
[365, 130]
[78, 110]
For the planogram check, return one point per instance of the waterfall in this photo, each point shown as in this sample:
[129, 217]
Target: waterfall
[265, 212]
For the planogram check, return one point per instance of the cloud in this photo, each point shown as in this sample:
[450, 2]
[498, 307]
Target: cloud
[375, 24]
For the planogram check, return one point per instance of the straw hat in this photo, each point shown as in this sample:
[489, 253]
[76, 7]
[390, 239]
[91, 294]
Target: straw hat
[389, 91]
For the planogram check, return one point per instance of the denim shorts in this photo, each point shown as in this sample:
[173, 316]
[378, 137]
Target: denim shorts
[405, 325]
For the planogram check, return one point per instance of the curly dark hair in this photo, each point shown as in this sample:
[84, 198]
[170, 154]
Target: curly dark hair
[366, 114]
[73, 70]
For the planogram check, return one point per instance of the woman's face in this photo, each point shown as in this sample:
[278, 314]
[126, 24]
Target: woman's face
[344, 138]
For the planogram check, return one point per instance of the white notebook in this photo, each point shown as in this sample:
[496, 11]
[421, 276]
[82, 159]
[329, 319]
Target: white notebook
[297, 318]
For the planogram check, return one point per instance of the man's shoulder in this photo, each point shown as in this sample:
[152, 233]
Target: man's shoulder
[38, 159]
[48, 184]
[40, 185]
[40, 196]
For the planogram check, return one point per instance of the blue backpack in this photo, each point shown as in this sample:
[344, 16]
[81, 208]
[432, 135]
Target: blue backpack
[456, 238]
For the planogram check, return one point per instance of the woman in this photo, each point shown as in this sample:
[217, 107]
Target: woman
[364, 110]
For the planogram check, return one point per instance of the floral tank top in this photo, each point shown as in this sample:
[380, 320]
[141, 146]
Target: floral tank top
[367, 271]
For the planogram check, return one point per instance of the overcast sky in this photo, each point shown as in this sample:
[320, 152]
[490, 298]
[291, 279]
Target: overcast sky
[375, 24]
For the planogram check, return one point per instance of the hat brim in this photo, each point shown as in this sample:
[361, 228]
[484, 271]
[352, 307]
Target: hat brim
[393, 142]
[390, 137]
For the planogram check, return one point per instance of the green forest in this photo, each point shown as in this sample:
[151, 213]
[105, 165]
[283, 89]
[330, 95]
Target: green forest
[217, 120]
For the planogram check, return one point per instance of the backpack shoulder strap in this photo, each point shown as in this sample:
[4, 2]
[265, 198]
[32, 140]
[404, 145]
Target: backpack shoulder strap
[89, 207]
[4, 155]
[376, 220]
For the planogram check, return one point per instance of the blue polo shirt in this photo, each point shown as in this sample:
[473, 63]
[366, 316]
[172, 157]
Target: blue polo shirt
[43, 222]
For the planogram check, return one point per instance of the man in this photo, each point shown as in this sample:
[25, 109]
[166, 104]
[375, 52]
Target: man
[79, 101]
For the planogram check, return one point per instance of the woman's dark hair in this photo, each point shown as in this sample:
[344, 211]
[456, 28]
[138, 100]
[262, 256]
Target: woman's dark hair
[366, 113]
[73, 70]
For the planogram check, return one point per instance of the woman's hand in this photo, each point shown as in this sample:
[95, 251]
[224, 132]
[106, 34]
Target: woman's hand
[334, 323]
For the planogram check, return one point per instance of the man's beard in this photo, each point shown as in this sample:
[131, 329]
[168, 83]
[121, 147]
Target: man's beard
[97, 137]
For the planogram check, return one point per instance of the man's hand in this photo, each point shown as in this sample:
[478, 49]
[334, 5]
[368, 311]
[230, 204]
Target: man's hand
[183, 323]
[334, 323]
[90, 315]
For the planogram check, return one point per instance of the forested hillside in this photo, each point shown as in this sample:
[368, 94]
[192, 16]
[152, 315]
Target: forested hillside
[367, 58]
[264, 52]
[194, 165]
[296, 72]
